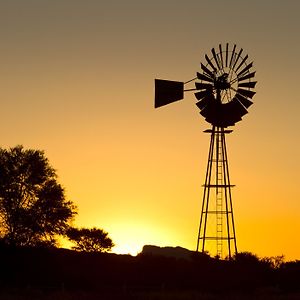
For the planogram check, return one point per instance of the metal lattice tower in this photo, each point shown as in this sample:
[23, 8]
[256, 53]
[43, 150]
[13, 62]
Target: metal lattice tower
[216, 230]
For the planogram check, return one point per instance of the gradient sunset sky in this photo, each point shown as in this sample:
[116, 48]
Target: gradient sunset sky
[77, 81]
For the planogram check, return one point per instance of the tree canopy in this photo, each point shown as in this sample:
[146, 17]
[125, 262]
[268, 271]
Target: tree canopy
[90, 240]
[33, 207]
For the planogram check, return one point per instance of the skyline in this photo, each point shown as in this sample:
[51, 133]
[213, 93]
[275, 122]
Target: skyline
[77, 81]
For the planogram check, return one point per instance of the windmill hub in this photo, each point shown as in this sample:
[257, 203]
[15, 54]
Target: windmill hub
[221, 82]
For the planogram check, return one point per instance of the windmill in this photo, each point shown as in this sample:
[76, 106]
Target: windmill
[224, 90]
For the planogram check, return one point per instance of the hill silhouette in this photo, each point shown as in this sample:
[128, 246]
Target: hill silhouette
[123, 276]
[175, 252]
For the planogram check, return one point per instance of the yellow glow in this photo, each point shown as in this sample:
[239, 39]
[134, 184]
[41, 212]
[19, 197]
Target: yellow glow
[130, 237]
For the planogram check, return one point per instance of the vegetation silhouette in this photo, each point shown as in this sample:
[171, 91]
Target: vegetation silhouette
[112, 276]
[33, 207]
[89, 239]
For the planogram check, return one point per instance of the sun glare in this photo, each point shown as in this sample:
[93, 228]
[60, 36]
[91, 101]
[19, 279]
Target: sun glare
[129, 238]
[132, 249]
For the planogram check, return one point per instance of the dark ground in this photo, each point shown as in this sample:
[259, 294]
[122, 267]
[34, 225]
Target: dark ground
[27, 273]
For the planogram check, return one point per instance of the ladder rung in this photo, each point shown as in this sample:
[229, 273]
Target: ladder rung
[216, 212]
[218, 185]
[216, 238]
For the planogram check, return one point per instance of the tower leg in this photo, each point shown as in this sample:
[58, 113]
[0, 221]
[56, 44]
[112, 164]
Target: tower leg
[216, 233]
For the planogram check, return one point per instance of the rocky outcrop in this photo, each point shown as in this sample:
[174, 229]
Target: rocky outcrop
[176, 252]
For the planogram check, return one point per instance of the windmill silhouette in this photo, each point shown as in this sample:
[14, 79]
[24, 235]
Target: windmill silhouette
[224, 90]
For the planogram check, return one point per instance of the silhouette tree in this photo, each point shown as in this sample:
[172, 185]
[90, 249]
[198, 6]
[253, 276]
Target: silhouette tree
[90, 240]
[33, 208]
[246, 258]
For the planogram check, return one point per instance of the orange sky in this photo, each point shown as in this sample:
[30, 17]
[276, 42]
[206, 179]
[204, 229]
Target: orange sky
[77, 81]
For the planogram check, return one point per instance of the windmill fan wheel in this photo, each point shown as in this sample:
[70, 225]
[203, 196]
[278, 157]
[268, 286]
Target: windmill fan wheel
[224, 86]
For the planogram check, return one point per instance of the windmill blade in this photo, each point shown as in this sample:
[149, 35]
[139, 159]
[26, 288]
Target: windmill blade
[221, 55]
[226, 60]
[204, 113]
[235, 62]
[246, 102]
[232, 123]
[219, 119]
[204, 77]
[215, 57]
[212, 112]
[232, 56]
[202, 94]
[234, 110]
[245, 69]
[209, 112]
[210, 63]
[238, 107]
[207, 71]
[235, 117]
[248, 76]
[203, 86]
[249, 84]
[242, 62]
[205, 101]
[246, 93]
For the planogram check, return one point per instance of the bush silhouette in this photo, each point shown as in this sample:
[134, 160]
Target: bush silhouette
[90, 240]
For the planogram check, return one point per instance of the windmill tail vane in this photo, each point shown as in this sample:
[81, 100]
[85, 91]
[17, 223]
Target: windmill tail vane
[224, 89]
